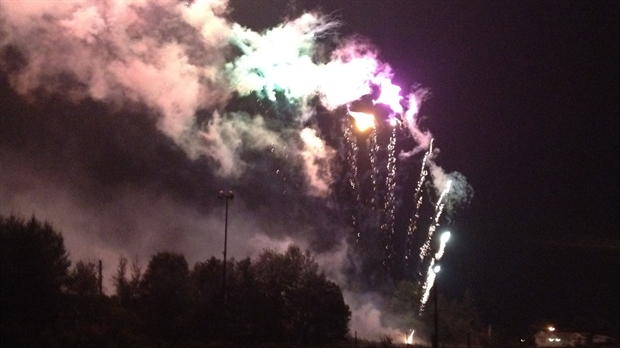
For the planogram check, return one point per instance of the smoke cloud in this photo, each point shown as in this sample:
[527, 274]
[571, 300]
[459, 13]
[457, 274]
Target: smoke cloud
[121, 120]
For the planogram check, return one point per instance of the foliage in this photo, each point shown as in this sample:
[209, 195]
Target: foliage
[83, 280]
[164, 294]
[295, 298]
[33, 271]
[279, 299]
[127, 290]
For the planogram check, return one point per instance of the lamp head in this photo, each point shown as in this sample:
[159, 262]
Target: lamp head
[227, 195]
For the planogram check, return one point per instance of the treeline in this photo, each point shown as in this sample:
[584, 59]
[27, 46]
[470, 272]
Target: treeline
[45, 301]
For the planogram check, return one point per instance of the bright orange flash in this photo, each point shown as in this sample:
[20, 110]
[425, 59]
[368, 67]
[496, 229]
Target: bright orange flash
[363, 121]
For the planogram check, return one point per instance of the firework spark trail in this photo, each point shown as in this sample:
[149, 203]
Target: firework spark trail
[280, 172]
[413, 225]
[445, 237]
[390, 201]
[428, 285]
[374, 147]
[418, 198]
[390, 179]
[431, 273]
[352, 154]
[424, 251]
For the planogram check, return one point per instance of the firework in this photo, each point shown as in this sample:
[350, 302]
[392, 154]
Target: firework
[201, 63]
[363, 121]
[424, 251]
[442, 247]
[431, 274]
[413, 221]
[409, 338]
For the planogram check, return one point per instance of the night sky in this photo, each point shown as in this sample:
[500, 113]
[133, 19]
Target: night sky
[523, 102]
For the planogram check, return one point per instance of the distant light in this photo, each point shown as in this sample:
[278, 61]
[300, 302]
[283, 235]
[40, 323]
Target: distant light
[393, 122]
[551, 340]
[445, 237]
[557, 340]
[436, 269]
[551, 328]
[522, 340]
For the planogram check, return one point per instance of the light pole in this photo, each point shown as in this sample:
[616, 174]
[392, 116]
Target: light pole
[443, 241]
[436, 269]
[227, 196]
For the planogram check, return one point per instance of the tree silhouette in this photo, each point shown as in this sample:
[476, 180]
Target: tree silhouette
[85, 311]
[165, 296]
[83, 280]
[33, 271]
[278, 298]
[127, 288]
[206, 278]
[298, 304]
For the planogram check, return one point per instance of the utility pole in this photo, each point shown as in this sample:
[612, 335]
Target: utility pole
[100, 278]
[227, 196]
[434, 289]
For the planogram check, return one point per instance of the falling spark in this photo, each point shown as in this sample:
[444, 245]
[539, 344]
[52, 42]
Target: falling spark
[352, 154]
[411, 230]
[438, 210]
[390, 183]
[390, 180]
[373, 164]
[418, 198]
[428, 284]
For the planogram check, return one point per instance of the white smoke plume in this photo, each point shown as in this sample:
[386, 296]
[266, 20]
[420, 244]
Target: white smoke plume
[460, 193]
[368, 320]
[178, 58]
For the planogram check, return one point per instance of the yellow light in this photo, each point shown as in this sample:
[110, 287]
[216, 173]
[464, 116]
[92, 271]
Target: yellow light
[363, 121]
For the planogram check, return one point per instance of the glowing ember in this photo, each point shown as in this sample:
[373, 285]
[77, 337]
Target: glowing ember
[363, 121]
